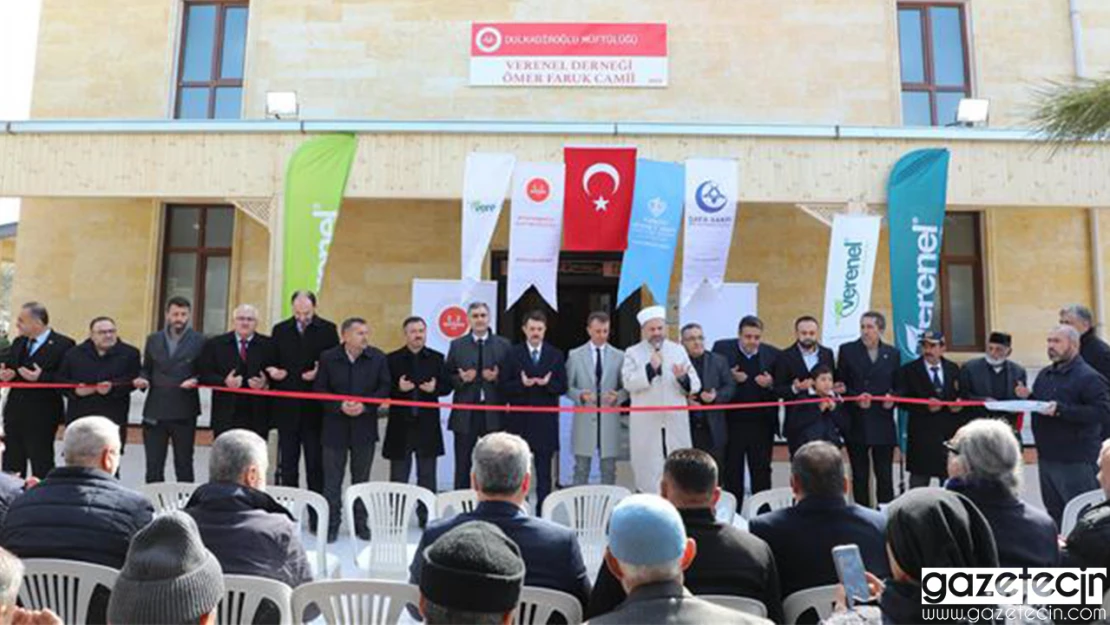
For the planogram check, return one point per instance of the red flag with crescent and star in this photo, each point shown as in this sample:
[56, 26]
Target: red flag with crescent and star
[598, 198]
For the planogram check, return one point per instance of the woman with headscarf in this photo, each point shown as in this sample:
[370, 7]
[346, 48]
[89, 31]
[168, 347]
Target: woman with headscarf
[926, 528]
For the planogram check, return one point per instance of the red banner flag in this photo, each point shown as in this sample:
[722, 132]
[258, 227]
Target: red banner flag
[598, 201]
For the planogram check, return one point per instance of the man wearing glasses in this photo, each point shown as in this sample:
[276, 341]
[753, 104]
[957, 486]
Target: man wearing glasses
[235, 360]
[104, 367]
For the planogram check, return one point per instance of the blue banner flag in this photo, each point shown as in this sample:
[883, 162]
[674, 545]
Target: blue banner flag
[916, 196]
[652, 229]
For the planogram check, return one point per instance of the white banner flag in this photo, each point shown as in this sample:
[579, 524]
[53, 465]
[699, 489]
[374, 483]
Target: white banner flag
[711, 191]
[535, 231]
[852, 251]
[484, 185]
[442, 304]
[719, 311]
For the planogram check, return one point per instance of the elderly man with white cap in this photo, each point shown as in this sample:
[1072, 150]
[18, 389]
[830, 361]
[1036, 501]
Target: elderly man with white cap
[657, 372]
[648, 552]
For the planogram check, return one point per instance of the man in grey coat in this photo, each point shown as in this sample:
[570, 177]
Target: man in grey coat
[169, 376]
[708, 429]
[594, 379]
[474, 363]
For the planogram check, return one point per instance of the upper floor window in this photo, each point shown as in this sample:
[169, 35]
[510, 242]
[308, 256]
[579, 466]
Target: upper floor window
[932, 40]
[210, 67]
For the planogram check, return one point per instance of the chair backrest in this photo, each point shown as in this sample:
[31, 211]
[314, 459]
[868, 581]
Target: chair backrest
[747, 605]
[296, 500]
[775, 499]
[1077, 506]
[390, 507]
[245, 593]
[537, 605]
[587, 509]
[726, 508]
[456, 502]
[355, 602]
[168, 496]
[63, 586]
[820, 599]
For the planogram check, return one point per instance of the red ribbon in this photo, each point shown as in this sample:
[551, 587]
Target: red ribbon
[510, 408]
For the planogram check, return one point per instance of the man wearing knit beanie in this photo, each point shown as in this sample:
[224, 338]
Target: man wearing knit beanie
[169, 578]
[471, 574]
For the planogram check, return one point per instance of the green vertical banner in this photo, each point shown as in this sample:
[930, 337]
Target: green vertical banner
[916, 197]
[314, 183]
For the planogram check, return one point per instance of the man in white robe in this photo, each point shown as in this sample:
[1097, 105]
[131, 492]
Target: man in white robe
[656, 372]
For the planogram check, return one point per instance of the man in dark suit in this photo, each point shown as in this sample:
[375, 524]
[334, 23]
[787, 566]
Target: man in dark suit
[750, 433]
[418, 375]
[708, 430]
[994, 377]
[536, 375]
[350, 427]
[502, 477]
[802, 536]
[1094, 350]
[106, 368]
[794, 366]
[932, 376]
[730, 561]
[299, 341]
[868, 367]
[238, 359]
[31, 416]
[474, 362]
[169, 375]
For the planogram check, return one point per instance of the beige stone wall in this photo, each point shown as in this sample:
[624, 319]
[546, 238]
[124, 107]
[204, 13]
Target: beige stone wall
[250, 262]
[87, 258]
[759, 61]
[105, 59]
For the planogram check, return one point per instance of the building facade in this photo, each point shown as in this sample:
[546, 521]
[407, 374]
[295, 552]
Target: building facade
[149, 168]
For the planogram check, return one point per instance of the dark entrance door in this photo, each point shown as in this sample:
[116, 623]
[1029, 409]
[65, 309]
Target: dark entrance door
[587, 282]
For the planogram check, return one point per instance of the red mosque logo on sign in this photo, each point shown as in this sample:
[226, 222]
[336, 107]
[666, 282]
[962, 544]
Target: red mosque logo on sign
[538, 189]
[453, 322]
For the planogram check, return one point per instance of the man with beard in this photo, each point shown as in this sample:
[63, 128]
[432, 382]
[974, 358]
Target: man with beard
[1094, 350]
[169, 375]
[657, 372]
[994, 377]
[794, 371]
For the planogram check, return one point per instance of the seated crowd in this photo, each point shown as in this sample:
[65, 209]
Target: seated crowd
[662, 552]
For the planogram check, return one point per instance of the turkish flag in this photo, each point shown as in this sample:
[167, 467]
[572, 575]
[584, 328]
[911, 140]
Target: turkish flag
[598, 198]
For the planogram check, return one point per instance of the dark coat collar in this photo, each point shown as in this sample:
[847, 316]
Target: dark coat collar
[231, 497]
[502, 509]
[658, 590]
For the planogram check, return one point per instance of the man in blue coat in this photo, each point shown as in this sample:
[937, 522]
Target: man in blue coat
[536, 375]
[501, 475]
[1067, 429]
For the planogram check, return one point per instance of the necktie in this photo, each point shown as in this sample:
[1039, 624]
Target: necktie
[597, 374]
[535, 356]
[481, 360]
[937, 384]
[415, 392]
[243, 350]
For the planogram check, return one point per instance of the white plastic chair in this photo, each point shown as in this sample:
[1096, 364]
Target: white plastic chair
[1077, 506]
[588, 509]
[390, 507]
[355, 602]
[168, 496]
[537, 605]
[456, 502]
[819, 598]
[245, 593]
[63, 586]
[726, 508]
[775, 499]
[296, 500]
[747, 605]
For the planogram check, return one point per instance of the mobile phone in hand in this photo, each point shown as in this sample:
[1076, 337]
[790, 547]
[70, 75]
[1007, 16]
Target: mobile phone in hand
[850, 571]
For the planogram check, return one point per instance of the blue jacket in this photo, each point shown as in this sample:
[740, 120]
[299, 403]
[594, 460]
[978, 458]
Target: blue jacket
[540, 429]
[1082, 404]
[552, 558]
[1026, 536]
[802, 538]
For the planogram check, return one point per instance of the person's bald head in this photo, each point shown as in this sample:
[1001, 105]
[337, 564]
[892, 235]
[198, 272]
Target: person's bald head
[1063, 344]
[1104, 467]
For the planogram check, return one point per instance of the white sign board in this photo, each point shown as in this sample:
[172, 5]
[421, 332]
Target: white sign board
[442, 303]
[719, 311]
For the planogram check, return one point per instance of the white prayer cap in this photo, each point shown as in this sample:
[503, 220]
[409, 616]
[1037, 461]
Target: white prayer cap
[650, 313]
